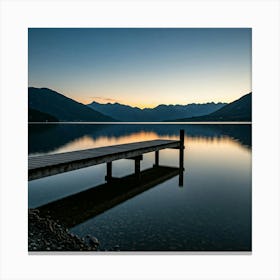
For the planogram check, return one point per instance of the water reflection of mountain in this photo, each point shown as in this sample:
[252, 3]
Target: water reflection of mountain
[46, 137]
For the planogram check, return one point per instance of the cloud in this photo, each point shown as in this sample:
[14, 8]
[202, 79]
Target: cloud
[99, 98]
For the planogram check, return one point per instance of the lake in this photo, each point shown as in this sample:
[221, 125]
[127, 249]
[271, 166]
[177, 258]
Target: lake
[210, 212]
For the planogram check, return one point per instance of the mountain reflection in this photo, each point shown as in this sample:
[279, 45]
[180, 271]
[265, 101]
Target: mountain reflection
[47, 138]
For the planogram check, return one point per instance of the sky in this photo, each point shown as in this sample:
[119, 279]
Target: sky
[142, 67]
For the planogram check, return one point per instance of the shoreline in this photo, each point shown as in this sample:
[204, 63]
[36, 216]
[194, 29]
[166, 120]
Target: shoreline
[45, 234]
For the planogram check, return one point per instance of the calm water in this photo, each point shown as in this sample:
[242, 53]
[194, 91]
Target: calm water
[211, 212]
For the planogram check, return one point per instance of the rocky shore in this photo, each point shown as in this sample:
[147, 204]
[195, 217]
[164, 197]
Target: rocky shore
[45, 234]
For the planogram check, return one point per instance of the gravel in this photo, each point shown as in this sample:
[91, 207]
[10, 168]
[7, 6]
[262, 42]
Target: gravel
[44, 234]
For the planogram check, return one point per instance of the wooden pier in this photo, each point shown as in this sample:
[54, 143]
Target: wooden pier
[47, 165]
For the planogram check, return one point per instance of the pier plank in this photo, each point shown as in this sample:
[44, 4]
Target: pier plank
[47, 165]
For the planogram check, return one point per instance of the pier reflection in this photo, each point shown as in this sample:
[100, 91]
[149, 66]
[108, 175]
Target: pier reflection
[77, 208]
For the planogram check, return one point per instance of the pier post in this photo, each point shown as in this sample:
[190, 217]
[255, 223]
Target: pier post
[137, 167]
[181, 157]
[156, 158]
[108, 177]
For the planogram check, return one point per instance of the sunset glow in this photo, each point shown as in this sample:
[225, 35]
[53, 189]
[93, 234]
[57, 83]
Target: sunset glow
[142, 67]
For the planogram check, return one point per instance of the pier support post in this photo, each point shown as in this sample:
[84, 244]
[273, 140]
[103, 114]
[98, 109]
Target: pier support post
[137, 167]
[156, 158]
[108, 177]
[181, 157]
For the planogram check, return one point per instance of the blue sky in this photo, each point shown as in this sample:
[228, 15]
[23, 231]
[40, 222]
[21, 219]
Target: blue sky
[142, 67]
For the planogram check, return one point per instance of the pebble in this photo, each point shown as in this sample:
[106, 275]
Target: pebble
[116, 247]
[46, 235]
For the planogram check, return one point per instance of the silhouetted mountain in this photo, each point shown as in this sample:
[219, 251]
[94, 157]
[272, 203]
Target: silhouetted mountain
[159, 113]
[118, 111]
[37, 116]
[238, 110]
[61, 107]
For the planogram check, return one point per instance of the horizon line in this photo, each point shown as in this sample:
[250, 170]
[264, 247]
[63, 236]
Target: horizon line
[118, 122]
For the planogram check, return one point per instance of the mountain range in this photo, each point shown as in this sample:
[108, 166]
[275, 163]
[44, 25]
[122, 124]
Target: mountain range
[60, 107]
[160, 113]
[47, 105]
[238, 110]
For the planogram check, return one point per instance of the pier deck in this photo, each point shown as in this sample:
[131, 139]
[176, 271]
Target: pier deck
[47, 165]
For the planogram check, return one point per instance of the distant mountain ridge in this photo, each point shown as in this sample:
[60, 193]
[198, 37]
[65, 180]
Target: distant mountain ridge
[47, 105]
[60, 107]
[238, 110]
[160, 113]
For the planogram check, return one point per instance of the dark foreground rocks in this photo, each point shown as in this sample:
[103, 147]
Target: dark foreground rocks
[44, 234]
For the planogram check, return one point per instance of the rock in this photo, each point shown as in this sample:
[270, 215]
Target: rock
[116, 248]
[92, 241]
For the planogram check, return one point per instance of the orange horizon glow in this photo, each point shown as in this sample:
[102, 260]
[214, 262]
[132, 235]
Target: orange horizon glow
[148, 105]
[200, 145]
